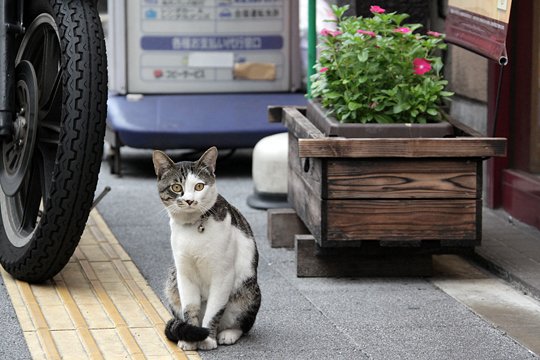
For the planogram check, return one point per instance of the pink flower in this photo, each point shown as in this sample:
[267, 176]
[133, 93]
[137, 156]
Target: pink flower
[434, 33]
[328, 32]
[323, 70]
[325, 32]
[366, 32]
[376, 9]
[421, 66]
[402, 30]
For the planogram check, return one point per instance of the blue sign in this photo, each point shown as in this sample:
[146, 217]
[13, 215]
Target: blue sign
[212, 43]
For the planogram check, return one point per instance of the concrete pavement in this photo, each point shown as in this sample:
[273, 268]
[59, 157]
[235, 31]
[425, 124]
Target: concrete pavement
[307, 318]
[318, 318]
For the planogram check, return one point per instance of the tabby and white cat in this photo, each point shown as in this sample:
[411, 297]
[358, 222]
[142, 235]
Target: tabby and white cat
[215, 274]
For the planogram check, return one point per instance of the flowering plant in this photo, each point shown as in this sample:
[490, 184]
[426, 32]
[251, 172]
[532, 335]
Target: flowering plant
[378, 70]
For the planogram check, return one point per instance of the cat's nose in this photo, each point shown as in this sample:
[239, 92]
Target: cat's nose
[189, 202]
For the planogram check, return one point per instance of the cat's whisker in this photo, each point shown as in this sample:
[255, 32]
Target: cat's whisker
[161, 212]
[206, 209]
[173, 209]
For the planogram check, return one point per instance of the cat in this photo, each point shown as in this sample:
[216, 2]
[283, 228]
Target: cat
[214, 279]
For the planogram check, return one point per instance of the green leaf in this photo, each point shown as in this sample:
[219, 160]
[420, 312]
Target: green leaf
[397, 108]
[369, 76]
[432, 111]
[332, 95]
[354, 106]
[383, 119]
[363, 56]
[361, 79]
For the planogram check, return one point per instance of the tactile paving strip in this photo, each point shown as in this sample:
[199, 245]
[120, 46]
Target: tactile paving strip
[98, 307]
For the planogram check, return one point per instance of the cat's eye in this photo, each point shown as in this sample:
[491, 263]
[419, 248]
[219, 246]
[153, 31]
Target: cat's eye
[177, 188]
[199, 186]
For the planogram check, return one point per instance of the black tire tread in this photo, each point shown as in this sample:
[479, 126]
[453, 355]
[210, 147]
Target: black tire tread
[81, 145]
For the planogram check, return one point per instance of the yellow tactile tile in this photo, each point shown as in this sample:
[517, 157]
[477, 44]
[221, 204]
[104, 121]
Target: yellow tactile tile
[98, 307]
[69, 345]
[35, 347]
[95, 316]
[95, 252]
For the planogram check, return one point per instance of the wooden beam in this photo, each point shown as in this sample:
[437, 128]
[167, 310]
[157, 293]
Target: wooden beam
[299, 125]
[275, 112]
[283, 225]
[402, 179]
[401, 147]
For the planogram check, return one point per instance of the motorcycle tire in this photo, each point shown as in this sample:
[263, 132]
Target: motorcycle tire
[49, 170]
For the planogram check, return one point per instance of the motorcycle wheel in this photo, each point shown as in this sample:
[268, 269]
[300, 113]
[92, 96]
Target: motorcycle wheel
[49, 169]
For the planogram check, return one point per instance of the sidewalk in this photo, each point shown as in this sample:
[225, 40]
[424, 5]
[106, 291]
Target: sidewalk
[312, 318]
[511, 250]
[106, 302]
[98, 307]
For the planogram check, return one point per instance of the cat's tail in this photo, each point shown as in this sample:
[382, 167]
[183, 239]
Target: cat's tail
[177, 330]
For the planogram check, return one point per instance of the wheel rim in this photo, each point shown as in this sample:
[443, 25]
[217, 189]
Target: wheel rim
[17, 152]
[28, 160]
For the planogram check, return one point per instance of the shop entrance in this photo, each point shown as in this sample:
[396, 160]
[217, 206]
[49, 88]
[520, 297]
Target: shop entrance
[514, 182]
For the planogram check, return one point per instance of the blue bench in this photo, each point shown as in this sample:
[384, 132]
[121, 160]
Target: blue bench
[194, 121]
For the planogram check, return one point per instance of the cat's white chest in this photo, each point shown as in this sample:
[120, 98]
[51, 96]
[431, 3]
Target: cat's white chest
[202, 255]
[199, 237]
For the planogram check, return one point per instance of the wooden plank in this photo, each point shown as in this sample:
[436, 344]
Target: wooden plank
[283, 225]
[275, 112]
[311, 169]
[347, 262]
[402, 147]
[401, 220]
[305, 189]
[307, 205]
[402, 179]
[299, 125]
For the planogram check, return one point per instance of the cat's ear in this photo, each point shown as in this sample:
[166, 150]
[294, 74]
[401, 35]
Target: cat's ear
[208, 159]
[162, 162]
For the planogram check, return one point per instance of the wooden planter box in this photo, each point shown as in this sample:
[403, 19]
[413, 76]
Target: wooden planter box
[393, 190]
[329, 126]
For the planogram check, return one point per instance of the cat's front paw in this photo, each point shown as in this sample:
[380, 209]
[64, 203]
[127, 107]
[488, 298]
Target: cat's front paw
[229, 336]
[208, 344]
[187, 346]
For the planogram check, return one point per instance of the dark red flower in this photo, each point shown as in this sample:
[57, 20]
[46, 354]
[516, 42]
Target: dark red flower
[421, 66]
[376, 9]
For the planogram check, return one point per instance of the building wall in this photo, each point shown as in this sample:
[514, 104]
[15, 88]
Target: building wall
[535, 100]
[467, 76]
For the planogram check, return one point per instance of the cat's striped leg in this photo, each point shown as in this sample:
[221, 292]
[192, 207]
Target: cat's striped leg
[190, 298]
[217, 302]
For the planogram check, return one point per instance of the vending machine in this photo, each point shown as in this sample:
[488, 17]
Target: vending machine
[190, 74]
[203, 46]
